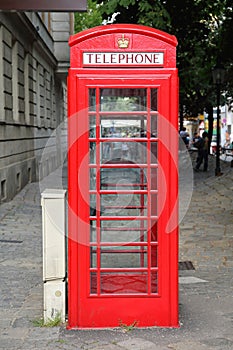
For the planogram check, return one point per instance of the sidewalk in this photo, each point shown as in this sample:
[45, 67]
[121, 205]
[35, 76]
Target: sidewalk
[206, 293]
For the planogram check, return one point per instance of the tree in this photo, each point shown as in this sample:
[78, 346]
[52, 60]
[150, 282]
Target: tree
[194, 25]
[197, 25]
[145, 12]
[89, 19]
[225, 40]
[203, 30]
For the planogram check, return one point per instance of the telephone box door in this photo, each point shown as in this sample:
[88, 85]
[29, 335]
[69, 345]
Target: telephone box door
[125, 270]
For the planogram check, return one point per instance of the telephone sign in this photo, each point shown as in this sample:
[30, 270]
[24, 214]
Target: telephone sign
[122, 59]
[123, 178]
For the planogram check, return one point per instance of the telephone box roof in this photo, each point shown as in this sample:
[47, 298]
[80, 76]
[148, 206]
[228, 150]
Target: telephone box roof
[118, 28]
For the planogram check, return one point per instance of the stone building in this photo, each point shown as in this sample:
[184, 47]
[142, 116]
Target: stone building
[34, 60]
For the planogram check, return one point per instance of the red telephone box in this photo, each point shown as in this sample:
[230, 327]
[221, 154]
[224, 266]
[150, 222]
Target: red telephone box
[123, 178]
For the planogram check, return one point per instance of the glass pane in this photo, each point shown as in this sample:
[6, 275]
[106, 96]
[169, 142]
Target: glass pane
[154, 282]
[124, 204]
[106, 150]
[154, 231]
[92, 126]
[154, 125]
[123, 283]
[120, 152]
[92, 100]
[154, 153]
[123, 179]
[154, 205]
[124, 231]
[124, 126]
[93, 257]
[154, 100]
[92, 173]
[92, 152]
[93, 282]
[154, 178]
[123, 100]
[93, 237]
[92, 205]
[123, 257]
[154, 256]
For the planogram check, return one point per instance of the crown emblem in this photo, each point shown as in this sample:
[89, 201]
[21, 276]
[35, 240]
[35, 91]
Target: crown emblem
[123, 42]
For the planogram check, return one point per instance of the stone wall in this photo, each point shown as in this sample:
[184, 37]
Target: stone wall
[33, 103]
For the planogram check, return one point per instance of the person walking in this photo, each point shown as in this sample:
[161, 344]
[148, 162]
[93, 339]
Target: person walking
[196, 143]
[203, 149]
[185, 136]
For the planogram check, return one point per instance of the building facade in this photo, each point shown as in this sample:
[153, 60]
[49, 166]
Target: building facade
[34, 60]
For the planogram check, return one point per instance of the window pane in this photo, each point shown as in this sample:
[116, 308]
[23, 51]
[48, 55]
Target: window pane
[92, 173]
[124, 204]
[123, 179]
[120, 152]
[154, 282]
[92, 126]
[92, 100]
[93, 282]
[92, 205]
[154, 256]
[92, 257]
[154, 179]
[124, 126]
[92, 152]
[93, 237]
[154, 153]
[154, 125]
[123, 100]
[123, 231]
[154, 205]
[154, 231]
[154, 100]
[123, 257]
[123, 283]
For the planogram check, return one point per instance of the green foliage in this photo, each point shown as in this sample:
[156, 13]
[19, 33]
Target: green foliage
[89, 19]
[203, 30]
[145, 12]
[153, 14]
[128, 328]
[38, 322]
[53, 322]
[197, 35]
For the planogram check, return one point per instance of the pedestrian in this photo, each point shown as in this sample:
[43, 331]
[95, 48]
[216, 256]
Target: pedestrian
[196, 138]
[195, 142]
[185, 136]
[124, 149]
[202, 145]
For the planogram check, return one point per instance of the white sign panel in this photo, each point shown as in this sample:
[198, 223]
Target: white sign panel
[123, 58]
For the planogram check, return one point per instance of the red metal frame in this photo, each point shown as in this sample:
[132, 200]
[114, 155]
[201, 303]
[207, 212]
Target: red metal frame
[98, 296]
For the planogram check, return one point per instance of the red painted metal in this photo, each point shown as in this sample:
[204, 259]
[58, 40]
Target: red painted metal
[123, 189]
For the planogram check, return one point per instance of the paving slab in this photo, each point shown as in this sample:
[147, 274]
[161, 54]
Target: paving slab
[205, 294]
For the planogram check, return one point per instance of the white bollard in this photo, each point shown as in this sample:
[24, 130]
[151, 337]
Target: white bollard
[54, 300]
[53, 203]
